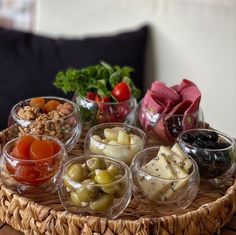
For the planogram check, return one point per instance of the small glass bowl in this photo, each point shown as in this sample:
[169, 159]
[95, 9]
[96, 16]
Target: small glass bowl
[67, 128]
[106, 200]
[163, 129]
[155, 198]
[93, 113]
[215, 162]
[32, 176]
[123, 152]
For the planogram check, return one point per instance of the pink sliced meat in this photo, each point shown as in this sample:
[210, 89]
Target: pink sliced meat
[185, 83]
[165, 93]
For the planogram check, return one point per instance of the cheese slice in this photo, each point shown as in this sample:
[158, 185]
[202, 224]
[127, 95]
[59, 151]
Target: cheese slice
[175, 187]
[154, 187]
[160, 167]
[187, 162]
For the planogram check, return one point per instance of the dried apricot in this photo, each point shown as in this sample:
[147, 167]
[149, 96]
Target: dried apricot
[56, 146]
[51, 105]
[21, 150]
[41, 149]
[37, 102]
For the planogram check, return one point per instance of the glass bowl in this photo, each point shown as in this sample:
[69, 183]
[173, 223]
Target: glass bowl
[95, 185]
[213, 151]
[116, 140]
[93, 113]
[162, 195]
[63, 124]
[163, 129]
[28, 176]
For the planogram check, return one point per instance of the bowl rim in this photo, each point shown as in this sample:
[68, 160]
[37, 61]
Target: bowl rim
[16, 117]
[127, 174]
[8, 156]
[169, 114]
[140, 170]
[111, 125]
[131, 99]
[230, 140]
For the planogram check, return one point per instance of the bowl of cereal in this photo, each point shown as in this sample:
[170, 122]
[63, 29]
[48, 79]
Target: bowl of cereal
[53, 116]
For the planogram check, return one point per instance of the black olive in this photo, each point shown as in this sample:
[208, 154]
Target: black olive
[187, 137]
[201, 137]
[199, 143]
[213, 136]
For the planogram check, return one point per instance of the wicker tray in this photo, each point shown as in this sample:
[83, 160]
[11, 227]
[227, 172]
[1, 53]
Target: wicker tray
[210, 211]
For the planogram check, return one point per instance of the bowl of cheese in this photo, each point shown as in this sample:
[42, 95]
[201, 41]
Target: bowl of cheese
[166, 180]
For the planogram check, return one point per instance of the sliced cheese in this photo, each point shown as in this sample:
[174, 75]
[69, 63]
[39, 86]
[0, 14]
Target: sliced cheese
[153, 188]
[187, 162]
[175, 187]
[160, 167]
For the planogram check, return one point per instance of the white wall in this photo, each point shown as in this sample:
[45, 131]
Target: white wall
[194, 39]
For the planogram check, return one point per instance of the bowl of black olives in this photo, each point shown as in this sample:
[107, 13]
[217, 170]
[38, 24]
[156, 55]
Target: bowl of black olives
[95, 185]
[213, 151]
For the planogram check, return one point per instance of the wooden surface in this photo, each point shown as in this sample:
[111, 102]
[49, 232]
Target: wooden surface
[229, 229]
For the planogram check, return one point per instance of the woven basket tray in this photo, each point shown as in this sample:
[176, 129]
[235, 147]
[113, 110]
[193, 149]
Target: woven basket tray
[206, 215]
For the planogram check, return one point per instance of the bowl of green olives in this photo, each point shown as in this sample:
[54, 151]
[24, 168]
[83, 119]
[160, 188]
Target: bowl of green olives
[95, 185]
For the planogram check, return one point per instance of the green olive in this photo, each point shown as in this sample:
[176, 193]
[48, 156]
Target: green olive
[68, 185]
[84, 194]
[113, 170]
[103, 177]
[102, 203]
[77, 172]
[114, 188]
[96, 163]
[75, 199]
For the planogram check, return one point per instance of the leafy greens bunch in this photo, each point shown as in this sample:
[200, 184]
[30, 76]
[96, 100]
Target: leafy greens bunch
[100, 78]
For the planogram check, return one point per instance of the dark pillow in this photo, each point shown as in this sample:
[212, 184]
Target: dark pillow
[29, 63]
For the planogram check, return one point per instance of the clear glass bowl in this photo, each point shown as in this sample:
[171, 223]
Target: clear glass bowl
[214, 161]
[163, 129]
[121, 151]
[93, 113]
[32, 176]
[87, 197]
[152, 190]
[65, 128]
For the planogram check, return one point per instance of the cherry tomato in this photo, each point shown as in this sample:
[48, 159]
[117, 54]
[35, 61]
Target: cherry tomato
[121, 92]
[91, 95]
[41, 149]
[98, 99]
[51, 105]
[21, 150]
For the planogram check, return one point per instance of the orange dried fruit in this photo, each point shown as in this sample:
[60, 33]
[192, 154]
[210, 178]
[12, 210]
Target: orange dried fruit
[37, 102]
[21, 150]
[41, 149]
[51, 105]
[56, 146]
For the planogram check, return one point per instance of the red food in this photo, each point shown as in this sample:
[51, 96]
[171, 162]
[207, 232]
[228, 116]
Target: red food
[41, 149]
[21, 150]
[180, 100]
[56, 146]
[27, 174]
[91, 95]
[121, 92]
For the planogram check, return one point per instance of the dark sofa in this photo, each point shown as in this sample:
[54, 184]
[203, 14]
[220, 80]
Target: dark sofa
[29, 63]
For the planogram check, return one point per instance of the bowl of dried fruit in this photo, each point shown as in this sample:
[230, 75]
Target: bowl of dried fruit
[53, 116]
